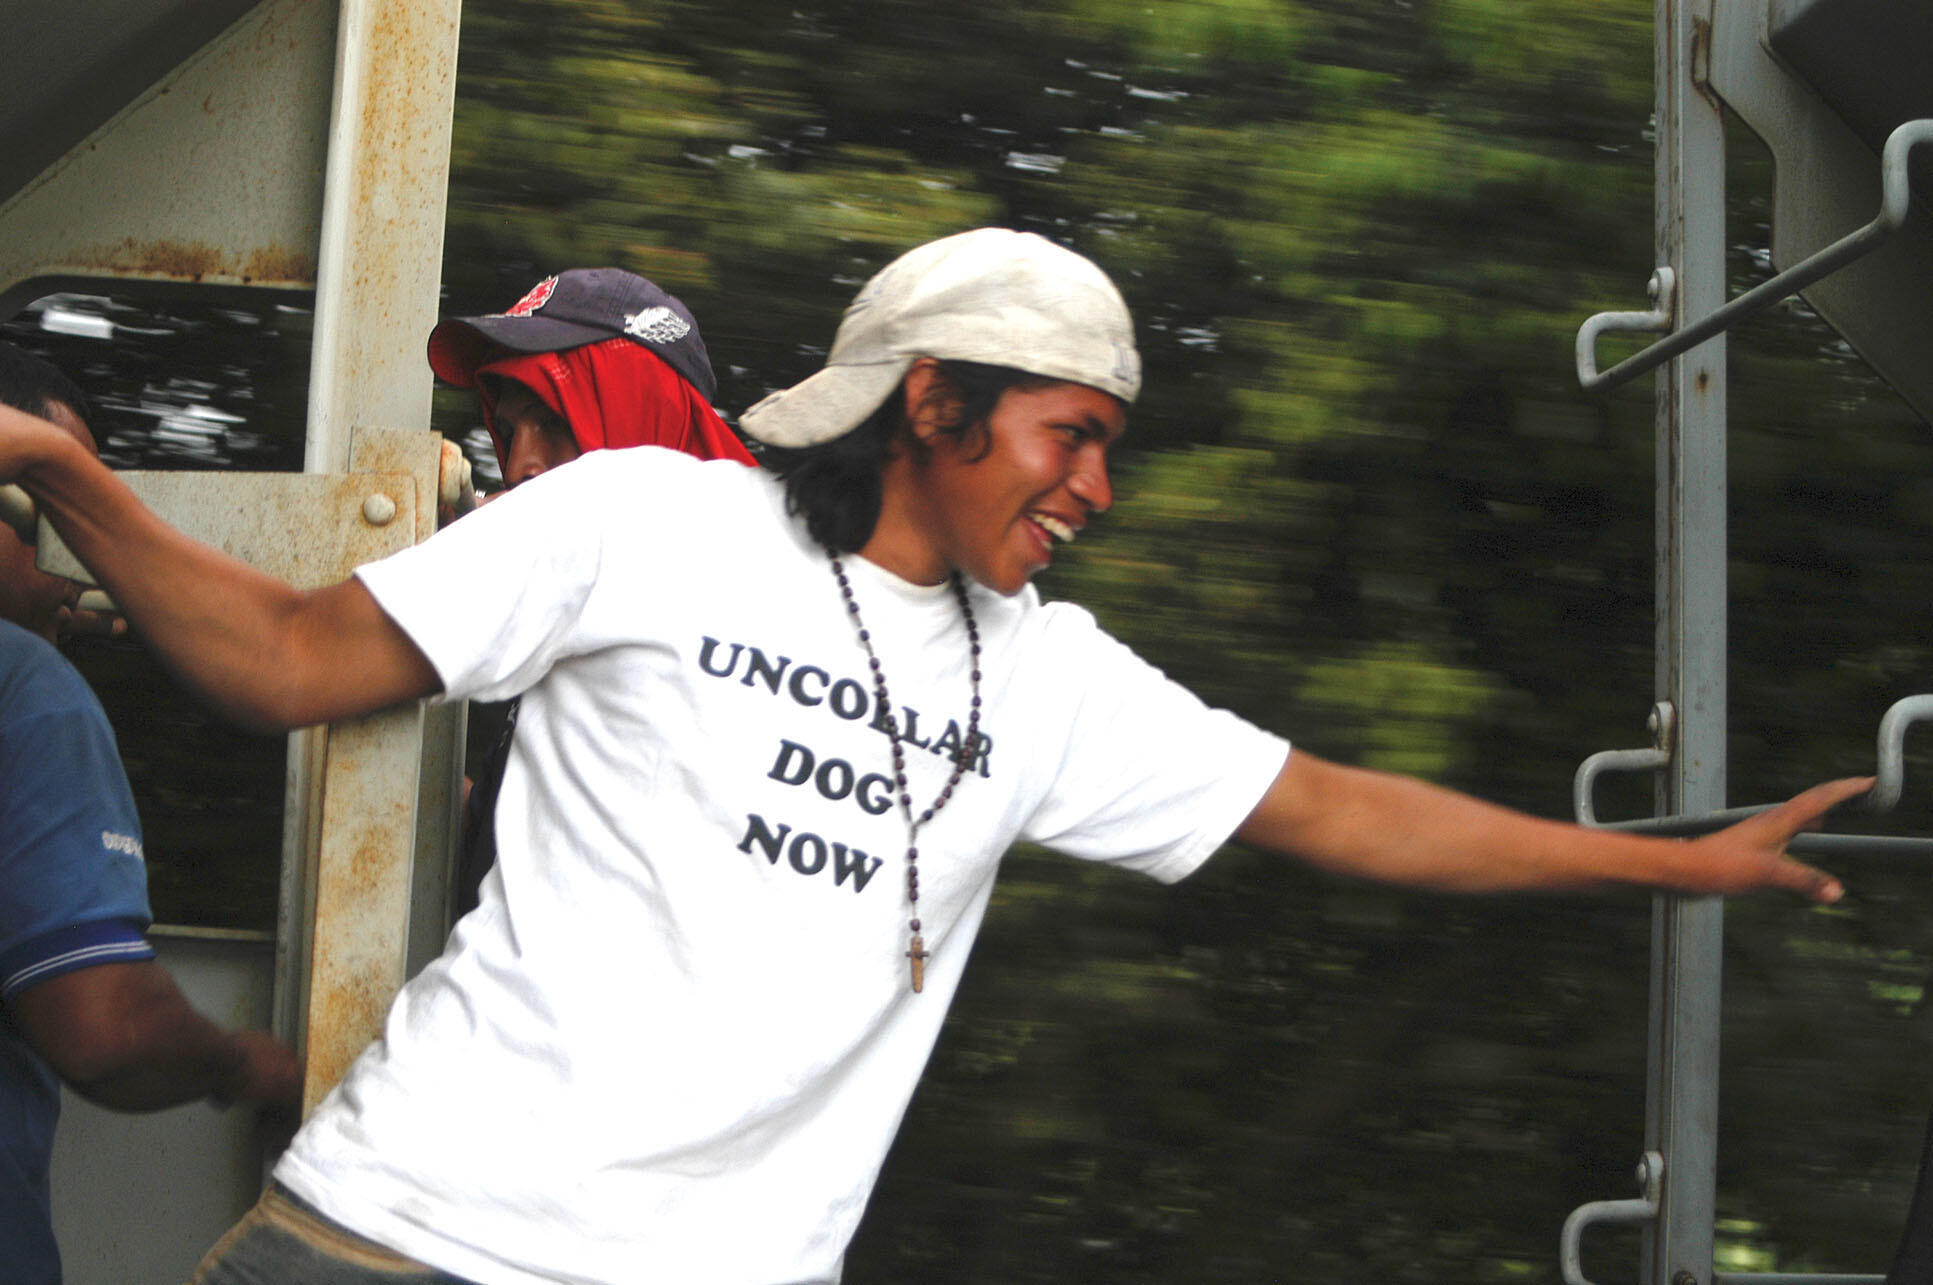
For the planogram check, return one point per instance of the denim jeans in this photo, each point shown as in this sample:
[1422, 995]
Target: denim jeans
[282, 1241]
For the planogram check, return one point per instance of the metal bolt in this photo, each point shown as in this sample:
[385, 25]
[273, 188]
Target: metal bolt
[1662, 725]
[378, 510]
[1663, 283]
[1683, 1278]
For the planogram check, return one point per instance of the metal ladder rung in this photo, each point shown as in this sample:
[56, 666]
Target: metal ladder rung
[1895, 202]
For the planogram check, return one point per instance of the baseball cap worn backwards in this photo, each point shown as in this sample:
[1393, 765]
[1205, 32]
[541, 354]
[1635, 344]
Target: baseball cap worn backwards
[992, 295]
[570, 310]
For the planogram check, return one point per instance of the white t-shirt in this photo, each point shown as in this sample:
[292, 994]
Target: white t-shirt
[674, 1041]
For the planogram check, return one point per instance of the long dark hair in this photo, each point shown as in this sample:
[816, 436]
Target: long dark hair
[836, 486]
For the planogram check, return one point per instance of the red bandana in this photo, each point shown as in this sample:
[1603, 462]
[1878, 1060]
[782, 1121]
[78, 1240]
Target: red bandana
[614, 393]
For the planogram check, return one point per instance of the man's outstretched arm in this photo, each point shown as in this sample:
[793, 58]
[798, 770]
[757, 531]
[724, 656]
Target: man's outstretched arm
[1395, 829]
[267, 655]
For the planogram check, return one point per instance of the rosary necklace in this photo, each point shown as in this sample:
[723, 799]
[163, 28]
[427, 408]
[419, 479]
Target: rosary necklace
[916, 950]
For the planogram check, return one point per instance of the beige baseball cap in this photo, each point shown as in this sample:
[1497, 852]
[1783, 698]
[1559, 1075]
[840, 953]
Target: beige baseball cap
[992, 295]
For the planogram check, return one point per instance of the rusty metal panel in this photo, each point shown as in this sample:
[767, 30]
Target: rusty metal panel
[308, 529]
[67, 68]
[415, 454]
[362, 889]
[439, 805]
[378, 261]
[381, 249]
[214, 175]
[306, 146]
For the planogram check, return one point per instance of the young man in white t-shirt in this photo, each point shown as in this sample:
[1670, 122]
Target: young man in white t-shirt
[758, 798]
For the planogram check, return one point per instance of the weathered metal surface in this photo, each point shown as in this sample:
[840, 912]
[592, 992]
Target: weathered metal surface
[66, 68]
[304, 146]
[1826, 185]
[369, 839]
[1871, 60]
[1681, 1082]
[360, 936]
[439, 821]
[212, 174]
[425, 457]
[381, 248]
[413, 453]
[305, 528]
[378, 263]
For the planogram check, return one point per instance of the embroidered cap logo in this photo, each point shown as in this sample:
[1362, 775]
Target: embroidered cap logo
[659, 325]
[539, 296]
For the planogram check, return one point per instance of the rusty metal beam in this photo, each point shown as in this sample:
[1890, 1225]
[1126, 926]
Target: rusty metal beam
[379, 262]
[309, 529]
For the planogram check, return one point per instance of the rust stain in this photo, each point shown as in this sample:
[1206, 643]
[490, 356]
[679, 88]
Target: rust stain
[191, 260]
[343, 1018]
[1701, 62]
[278, 18]
[195, 261]
[279, 263]
[409, 48]
[357, 965]
[362, 890]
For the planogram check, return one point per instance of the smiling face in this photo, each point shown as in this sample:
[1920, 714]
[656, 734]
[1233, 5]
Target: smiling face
[994, 500]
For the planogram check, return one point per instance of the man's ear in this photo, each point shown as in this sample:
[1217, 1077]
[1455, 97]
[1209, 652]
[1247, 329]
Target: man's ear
[932, 402]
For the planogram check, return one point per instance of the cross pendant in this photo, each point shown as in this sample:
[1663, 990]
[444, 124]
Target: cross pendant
[919, 957]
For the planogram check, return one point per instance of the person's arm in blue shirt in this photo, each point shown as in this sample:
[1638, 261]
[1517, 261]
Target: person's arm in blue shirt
[124, 1036]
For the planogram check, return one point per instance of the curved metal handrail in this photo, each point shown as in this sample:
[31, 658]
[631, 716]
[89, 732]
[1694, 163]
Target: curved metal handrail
[1585, 782]
[1662, 724]
[1889, 776]
[1651, 1172]
[1890, 780]
[1663, 289]
[1896, 201]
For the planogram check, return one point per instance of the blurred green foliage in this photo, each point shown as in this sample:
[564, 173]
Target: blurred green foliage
[1363, 503]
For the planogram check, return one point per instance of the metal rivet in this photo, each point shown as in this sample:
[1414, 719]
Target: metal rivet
[378, 509]
[1663, 283]
[1663, 725]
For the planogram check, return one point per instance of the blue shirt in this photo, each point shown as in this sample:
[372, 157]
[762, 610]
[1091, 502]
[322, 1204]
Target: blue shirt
[73, 894]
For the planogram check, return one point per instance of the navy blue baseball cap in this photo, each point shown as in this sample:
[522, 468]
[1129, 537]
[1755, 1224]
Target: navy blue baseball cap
[572, 309]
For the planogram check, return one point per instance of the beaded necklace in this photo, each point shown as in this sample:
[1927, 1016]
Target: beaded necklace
[916, 950]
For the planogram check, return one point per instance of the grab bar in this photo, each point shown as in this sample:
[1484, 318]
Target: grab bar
[1895, 201]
